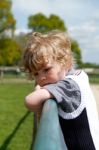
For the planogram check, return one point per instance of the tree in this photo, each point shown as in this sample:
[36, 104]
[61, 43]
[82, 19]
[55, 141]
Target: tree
[7, 21]
[21, 39]
[39, 22]
[56, 23]
[76, 52]
[10, 52]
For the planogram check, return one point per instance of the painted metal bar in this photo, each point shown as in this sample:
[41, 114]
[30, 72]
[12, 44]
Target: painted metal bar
[49, 135]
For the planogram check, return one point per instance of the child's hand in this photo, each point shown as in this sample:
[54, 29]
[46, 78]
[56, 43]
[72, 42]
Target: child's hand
[37, 87]
[39, 108]
[35, 100]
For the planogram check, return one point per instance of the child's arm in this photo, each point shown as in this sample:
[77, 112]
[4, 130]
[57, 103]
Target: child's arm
[34, 100]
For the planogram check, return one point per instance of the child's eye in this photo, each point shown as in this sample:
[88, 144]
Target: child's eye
[47, 69]
[35, 74]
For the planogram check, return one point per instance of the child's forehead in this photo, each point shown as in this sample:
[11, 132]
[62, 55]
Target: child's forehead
[46, 65]
[50, 62]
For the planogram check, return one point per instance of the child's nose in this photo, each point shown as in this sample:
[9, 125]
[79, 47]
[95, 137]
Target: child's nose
[42, 77]
[41, 80]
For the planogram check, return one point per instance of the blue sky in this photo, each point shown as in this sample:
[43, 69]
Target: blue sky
[81, 18]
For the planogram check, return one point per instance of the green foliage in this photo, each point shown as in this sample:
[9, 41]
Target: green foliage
[7, 20]
[94, 78]
[90, 65]
[21, 40]
[10, 52]
[76, 52]
[39, 22]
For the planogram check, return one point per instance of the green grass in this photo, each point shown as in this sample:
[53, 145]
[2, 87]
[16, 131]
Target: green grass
[94, 78]
[16, 123]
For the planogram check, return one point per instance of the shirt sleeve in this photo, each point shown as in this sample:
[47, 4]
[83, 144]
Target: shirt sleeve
[66, 93]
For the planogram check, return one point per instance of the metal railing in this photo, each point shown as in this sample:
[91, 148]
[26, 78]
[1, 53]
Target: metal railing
[49, 136]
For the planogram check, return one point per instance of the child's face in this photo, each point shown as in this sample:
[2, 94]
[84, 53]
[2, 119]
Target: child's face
[51, 73]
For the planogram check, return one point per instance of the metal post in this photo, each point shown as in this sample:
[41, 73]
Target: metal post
[49, 136]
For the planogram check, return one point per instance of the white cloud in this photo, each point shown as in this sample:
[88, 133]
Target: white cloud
[95, 14]
[45, 5]
[86, 32]
[80, 16]
[87, 36]
[87, 27]
[29, 6]
[62, 8]
[22, 30]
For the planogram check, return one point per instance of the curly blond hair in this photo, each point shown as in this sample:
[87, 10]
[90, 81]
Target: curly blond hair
[41, 48]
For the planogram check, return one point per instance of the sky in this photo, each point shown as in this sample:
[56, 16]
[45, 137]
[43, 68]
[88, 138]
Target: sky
[81, 17]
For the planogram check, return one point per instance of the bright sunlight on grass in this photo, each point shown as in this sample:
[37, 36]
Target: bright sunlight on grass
[16, 123]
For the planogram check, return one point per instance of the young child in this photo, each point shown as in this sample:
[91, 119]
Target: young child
[48, 59]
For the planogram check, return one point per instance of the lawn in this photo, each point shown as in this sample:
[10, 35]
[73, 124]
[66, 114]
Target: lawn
[16, 122]
[94, 78]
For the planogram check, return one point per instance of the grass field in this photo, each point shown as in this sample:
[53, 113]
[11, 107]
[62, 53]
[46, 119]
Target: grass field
[16, 123]
[94, 78]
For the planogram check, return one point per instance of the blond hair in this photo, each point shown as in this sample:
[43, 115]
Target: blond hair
[41, 48]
